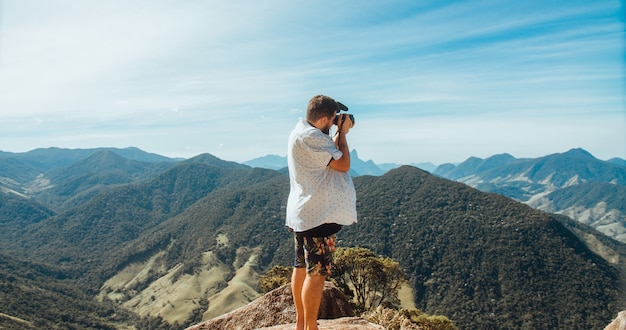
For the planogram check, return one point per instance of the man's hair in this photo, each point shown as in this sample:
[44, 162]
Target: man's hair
[321, 106]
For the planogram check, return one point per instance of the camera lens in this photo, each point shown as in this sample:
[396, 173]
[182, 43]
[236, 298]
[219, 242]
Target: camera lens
[336, 119]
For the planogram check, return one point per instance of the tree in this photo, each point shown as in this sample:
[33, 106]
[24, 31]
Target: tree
[370, 281]
[274, 278]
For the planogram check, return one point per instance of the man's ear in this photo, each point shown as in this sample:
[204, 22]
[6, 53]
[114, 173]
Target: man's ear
[323, 121]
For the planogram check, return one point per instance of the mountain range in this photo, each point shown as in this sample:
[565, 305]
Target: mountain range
[117, 238]
[357, 166]
[573, 183]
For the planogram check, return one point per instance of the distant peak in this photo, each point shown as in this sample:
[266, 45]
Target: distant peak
[578, 152]
[502, 156]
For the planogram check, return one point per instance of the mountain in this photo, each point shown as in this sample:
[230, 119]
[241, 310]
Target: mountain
[272, 162]
[33, 172]
[617, 161]
[460, 245]
[36, 297]
[188, 242]
[18, 212]
[363, 167]
[48, 158]
[91, 231]
[599, 205]
[74, 184]
[14, 174]
[479, 258]
[427, 166]
[539, 181]
[556, 170]
[468, 254]
[357, 166]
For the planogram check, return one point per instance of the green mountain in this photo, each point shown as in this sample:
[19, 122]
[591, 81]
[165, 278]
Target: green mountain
[556, 183]
[46, 159]
[599, 205]
[14, 173]
[190, 239]
[484, 260]
[18, 212]
[37, 297]
[91, 232]
[481, 259]
[74, 184]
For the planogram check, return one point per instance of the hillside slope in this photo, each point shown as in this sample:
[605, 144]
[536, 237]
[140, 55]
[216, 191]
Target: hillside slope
[210, 227]
[481, 259]
[511, 266]
[554, 183]
[36, 297]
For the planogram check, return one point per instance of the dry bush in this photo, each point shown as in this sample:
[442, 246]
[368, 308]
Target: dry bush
[408, 319]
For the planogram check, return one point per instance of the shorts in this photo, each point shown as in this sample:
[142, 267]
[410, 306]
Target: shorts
[314, 253]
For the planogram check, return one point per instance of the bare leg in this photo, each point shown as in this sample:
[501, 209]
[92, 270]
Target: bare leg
[297, 281]
[311, 298]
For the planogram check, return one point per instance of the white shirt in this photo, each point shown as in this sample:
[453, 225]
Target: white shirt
[318, 194]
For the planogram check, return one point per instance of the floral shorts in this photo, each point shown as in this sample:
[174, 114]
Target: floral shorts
[314, 253]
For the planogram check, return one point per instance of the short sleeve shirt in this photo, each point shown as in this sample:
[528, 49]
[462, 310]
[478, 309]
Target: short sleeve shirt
[318, 194]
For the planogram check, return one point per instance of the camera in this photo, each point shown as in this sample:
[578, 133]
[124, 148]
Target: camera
[342, 107]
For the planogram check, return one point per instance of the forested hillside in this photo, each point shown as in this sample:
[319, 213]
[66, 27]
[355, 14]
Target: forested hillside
[37, 297]
[573, 183]
[481, 259]
[511, 266]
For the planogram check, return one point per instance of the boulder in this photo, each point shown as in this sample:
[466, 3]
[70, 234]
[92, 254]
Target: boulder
[276, 308]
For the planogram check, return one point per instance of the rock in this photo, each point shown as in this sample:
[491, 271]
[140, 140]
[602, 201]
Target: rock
[276, 308]
[344, 323]
[619, 323]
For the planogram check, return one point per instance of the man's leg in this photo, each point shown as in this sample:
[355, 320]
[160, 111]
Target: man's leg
[311, 298]
[319, 257]
[297, 280]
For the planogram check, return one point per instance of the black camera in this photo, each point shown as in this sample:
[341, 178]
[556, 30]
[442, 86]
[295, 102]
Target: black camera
[342, 107]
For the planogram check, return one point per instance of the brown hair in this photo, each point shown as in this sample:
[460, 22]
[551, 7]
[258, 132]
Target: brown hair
[321, 106]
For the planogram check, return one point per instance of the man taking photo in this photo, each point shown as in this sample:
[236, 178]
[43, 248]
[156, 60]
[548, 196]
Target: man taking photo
[321, 200]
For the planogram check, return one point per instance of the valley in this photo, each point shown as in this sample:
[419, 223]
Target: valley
[170, 243]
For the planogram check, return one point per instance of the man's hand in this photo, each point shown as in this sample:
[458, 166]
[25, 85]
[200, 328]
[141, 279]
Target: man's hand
[345, 123]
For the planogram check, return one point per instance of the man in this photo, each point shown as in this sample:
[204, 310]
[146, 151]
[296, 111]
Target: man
[321, 199]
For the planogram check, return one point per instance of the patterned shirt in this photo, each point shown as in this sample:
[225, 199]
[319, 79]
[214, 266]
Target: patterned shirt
[318, 194]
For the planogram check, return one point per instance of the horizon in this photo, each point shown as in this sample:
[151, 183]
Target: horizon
[352, 150]
[430, 81]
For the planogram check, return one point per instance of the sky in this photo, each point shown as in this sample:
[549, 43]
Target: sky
[427, 81]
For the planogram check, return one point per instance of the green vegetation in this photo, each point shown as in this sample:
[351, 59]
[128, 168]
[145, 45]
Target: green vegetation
[483, 260]
[274, 278]
[408, 319]
[370, 280]
[33, 297]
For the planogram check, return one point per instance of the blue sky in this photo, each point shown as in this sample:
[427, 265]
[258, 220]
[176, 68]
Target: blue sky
[436, 81]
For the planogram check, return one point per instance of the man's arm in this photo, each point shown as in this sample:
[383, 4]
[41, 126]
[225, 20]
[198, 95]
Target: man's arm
[342, 164]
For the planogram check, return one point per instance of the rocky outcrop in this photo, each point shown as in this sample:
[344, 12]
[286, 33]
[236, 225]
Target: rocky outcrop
[276, 308]
[619, 323]
[344, 323]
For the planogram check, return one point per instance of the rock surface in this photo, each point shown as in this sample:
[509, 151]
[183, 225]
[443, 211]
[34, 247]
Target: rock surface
[344, 323]
[276, 308]
[619, 323]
